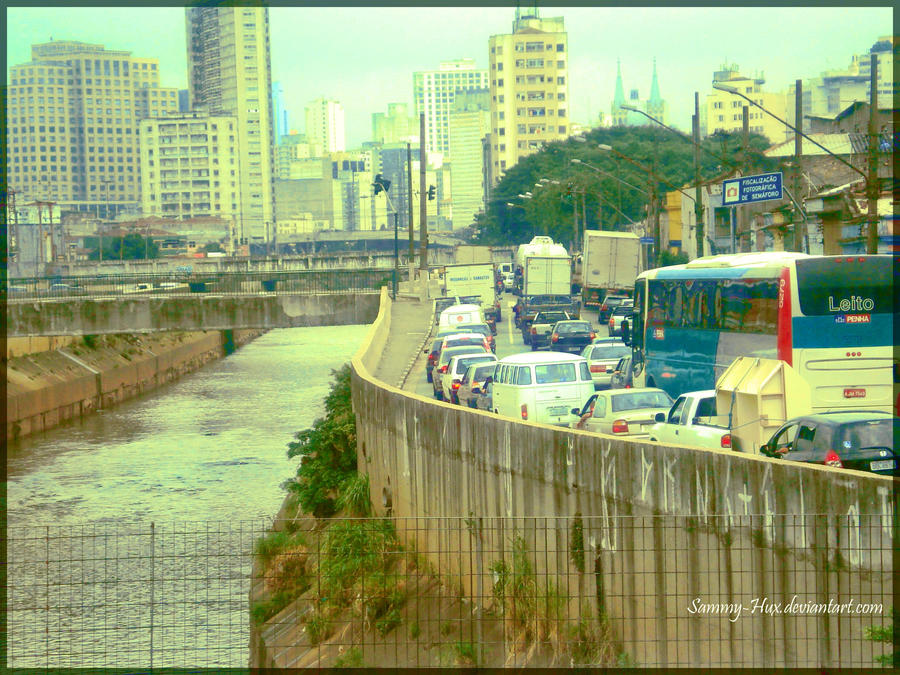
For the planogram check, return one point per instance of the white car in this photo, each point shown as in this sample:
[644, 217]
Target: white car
[603, 355]
[456, 369]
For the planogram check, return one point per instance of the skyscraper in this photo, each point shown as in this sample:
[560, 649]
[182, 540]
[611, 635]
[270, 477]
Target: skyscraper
[71, 124]
[470, 122]
[434, 92]
[396, 126]
[325, 125]
[529, 89]
[280, 127]
[229, 73]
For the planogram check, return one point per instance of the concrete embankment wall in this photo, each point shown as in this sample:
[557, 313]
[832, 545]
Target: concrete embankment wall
[662, 525]
[46, 388]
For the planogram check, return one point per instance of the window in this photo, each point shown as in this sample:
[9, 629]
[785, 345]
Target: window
[554, 372]
[524, 375]
[676, 411]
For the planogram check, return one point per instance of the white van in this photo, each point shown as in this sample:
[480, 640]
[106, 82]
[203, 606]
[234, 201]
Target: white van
[541, 386]
[461, 314]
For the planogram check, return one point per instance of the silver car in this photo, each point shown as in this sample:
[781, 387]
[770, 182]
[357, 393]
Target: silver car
[603, 355]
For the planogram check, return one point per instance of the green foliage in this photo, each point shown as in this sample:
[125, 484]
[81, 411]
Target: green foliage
[576, 550]
[90, 341]
[389, 621]
[327, 451]
[318, 628]
[272, 543]
[353, 496]
[609, 204]
[261, 612]
[414, 630]
[667, 258]
[213, 247]
[130, 247]
[466, 653]
[351, 552]
[886, 634]
[352, 658]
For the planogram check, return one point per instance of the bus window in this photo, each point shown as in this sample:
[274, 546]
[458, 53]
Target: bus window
[656, 312]
[554, 372]
[674, 302]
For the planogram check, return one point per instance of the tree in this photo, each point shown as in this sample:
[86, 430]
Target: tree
[135, 248]
[213, 247]
[609, 203]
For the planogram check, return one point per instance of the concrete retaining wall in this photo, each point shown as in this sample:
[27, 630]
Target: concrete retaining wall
[663, 525]
[81, 316]
[45, 389]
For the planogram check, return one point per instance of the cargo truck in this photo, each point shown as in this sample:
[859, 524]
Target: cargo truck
[610, 262]
[474, 280]
[467, 254]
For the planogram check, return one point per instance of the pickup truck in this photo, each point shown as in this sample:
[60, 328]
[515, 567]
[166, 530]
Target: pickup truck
[526, 308]
[692, 421]
[541, 326]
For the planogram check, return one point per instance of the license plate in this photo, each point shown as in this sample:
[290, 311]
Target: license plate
[854, 393]
[557, 410]
[883, 465]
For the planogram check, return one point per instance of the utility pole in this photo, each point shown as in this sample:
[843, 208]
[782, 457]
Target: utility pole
[409, 204]
[743, 224]
[698, 204]
[798, 152]
[572, 248]
[872, 186]
[423, 205]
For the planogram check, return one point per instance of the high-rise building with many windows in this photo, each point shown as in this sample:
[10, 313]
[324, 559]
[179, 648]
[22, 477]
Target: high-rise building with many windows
[434, 92]
[325, 125]
[229, 74]
[72, 125]
[529, 89]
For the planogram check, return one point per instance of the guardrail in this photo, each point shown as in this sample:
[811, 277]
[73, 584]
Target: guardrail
[300, 282]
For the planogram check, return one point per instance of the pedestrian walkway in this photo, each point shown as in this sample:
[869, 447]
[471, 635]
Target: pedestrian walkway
[410, 324]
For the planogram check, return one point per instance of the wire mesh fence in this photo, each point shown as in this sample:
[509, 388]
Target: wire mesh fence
[421, 592]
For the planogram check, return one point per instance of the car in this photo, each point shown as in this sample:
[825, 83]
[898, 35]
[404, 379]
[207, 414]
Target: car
[623, 374]
[620, 312]
[622, 412]
[538, 333]
[457, 315]
[861, 440]
[609, 303]
[508, 280]
[450, 338]
[444, 360]
[456, 369]
[482, 328]
[602, 356]
[472, 383]
[484, 399]
[571, 336]
[440, 304]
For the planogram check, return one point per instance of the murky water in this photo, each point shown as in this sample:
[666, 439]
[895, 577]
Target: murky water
[130, 531]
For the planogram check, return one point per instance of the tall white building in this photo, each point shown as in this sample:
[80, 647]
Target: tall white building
[325, 125]
[470, 122]
[529, 89]
[434, 92]
[229, 74]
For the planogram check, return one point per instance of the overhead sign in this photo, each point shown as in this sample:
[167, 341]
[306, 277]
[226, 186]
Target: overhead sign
[647, 240]
[748, 189]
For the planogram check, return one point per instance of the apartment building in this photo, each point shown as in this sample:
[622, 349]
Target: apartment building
[723, 111]
[229, 75]
[397, 126]
[470, 122]
[72, 125]
[325, 125]
[434, 92]
[529, 89]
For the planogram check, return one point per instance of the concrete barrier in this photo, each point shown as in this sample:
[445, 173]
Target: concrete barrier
[83, 316]
[663, 525]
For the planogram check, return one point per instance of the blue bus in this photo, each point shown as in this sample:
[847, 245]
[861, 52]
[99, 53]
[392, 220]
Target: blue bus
[830, 317]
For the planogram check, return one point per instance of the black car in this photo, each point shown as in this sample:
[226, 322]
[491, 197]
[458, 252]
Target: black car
[571, 336]
[610, 302]
[859, 440]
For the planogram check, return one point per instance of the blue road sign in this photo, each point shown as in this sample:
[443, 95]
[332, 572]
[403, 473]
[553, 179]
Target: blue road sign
[747, 189]
[646, 240]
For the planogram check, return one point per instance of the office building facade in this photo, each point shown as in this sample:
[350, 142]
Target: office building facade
[325, 125]
[434, 92]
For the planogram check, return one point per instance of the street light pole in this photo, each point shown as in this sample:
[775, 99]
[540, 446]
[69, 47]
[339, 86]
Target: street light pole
[382, 185]
[872, 187]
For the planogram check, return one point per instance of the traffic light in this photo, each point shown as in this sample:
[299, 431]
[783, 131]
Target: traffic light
[430, 192]
[380, 184]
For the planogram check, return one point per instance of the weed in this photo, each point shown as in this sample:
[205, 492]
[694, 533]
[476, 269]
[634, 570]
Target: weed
[352, 658]
[388, 622]
[576, 551]
[90, 341]
[318, 627]
[626, 660]
[261, 612]
[353, 496]
[414, 631]
[352, 550]
[273, 543]
[465, 654]
[446, 628]
[589, 640]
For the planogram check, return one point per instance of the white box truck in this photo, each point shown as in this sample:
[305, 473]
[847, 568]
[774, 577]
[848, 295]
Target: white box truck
[610, 262]
[467, 281]
[547, 275]
[467, 254]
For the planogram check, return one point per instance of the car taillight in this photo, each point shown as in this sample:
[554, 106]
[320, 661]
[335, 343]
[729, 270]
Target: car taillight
[612, 322]
[554, 338]
[443, 369]
[524, 411]
[598, 369]
[534, 331]
[454, 384]
[593, 335]
[725, 441]
[620, 427]
[832, 459]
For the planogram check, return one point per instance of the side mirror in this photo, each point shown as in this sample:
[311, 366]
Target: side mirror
[660, 417]
[576, 411]
[476, 390]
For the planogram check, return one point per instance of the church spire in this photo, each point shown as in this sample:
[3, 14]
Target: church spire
[620, 90]
[655, 98]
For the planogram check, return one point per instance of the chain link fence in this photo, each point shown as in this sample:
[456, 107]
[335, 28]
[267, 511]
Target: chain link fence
[421, 592]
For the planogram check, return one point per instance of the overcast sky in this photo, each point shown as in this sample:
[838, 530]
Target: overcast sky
[365, 57]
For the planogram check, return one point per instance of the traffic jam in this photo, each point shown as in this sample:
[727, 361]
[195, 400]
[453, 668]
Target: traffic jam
[666, 355]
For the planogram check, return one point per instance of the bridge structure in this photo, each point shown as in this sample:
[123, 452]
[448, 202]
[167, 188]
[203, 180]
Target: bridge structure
[137, 303]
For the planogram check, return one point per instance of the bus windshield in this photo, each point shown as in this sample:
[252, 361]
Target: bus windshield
[826, 286]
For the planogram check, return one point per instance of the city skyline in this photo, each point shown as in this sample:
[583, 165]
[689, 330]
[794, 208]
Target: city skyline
[365, 72]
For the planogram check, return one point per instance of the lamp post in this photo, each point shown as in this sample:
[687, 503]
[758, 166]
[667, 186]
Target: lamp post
[871, 177]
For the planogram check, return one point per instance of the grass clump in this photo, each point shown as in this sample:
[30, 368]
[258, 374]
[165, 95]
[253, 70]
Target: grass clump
[352, 658]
